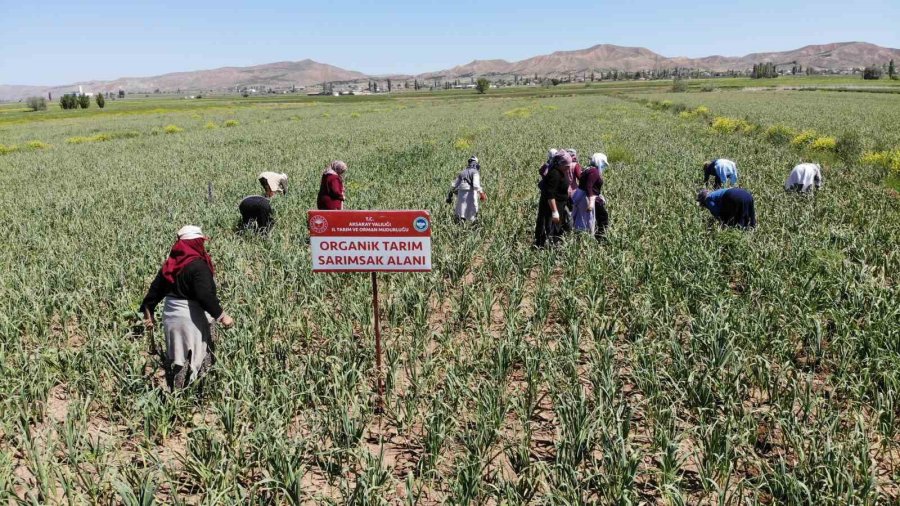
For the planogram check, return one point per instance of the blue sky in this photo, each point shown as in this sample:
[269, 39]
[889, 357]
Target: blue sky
[59, 42]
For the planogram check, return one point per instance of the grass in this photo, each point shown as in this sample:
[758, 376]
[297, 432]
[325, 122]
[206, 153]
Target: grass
[102, 137]
[676, 362]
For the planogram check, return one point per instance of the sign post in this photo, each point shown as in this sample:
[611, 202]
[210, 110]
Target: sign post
[371, 241]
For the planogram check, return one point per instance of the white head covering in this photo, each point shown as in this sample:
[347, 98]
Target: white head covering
[551, 153]
[573, 153]
[599, 160]
[190, 232]
[276, 181]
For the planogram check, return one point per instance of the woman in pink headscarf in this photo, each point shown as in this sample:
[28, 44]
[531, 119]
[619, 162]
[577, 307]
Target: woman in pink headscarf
[331, 189]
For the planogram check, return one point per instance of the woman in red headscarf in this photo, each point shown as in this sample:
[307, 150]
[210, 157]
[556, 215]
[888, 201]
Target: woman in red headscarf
[186, 282]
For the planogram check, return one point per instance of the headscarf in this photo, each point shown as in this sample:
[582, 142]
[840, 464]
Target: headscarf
[701, 197]
[189, 247]
[599, 160]
[573, 154]
[561, 159]
[336, 167]
[274, 181]
[473, 163]
[551, 153]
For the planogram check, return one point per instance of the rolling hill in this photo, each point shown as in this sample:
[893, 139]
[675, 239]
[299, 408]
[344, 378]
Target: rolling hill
[602, 57]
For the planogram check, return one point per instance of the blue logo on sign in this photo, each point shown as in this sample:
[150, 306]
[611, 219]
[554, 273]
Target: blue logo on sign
[420, 224]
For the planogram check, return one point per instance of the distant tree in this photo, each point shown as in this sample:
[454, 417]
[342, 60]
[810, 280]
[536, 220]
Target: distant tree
[68, 101]
[592, 76]
[554, 81]
[36, 103]
[121, 93]
[482, 85]
[892, 72]
[84, 101]
[49, 96]
[679, 85]
[101, 101]
[872, 72]
[764, 70]
[389, 85]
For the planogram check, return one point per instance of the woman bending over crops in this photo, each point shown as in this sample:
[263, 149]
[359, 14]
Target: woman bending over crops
[805, 177]
[732, 207]
[468, 191]
[552, 212]
[331, 188]
[590, 214]
[186, 282]
[256, 210]
[273, 182]
[724, 172]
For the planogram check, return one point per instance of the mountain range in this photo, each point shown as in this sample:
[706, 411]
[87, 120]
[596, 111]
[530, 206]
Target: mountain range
[602, 57]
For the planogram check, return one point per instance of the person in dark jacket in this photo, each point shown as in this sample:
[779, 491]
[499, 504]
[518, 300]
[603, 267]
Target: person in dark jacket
[552, 209]
[331, 188]
[256, 210]
[733, 207]
[546, 166]
[187, 285]
[256, 213]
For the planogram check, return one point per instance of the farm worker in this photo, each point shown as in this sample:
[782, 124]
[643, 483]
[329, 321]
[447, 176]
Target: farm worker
[590, 213]
[186, 282]
[331, 189]
[273, 182]
[544, 168]
[552, 211]
[723, 172]
[466, 185]
[732, 206]
[256, 210]
[575, 171]
[804, 177]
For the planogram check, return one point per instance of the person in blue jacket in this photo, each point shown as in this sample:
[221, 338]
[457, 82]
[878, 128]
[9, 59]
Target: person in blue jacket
[724, 172]
[733, 207]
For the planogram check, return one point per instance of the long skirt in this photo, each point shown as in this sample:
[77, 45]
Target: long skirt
[738, 209]
[188, 336]
[584, 220]
[466, 205]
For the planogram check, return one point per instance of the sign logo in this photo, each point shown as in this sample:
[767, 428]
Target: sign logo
[318, 224]
[420, 224]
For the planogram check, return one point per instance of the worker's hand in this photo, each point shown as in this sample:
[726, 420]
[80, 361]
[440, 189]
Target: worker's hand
[149, 322]
[226, 320]
[483, 196]
[555, 217]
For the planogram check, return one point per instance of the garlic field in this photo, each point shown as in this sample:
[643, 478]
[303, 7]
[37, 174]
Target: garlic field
[676, 363]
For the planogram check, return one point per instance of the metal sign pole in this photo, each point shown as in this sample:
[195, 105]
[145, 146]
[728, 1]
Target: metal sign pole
[379, 406]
